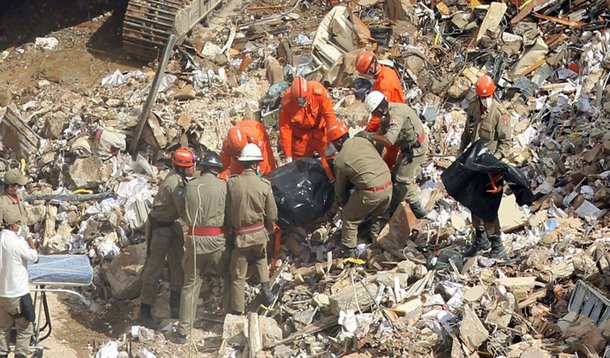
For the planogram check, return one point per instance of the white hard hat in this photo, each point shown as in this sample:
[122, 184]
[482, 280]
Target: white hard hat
[251, 153]
[373, 100]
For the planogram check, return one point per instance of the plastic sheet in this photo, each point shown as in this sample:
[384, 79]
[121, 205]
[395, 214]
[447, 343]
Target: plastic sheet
[468, 181]
[61, 270]
[302, 192]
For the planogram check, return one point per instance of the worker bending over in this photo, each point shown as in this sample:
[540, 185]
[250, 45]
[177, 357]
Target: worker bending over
[252, 214]
[166, 238]
[385, 80]
[306, 113]
[205, 249]
[400, 126]
[358, 164]
[244, 132]
[485, 121]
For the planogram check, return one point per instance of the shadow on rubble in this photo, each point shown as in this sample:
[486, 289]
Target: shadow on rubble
[22, 21]
[106, 42]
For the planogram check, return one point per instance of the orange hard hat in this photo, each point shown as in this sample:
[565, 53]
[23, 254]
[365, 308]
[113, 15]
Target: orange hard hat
[485, 86]
[338, 130]
[237, 139]
[183, 157]
[364, 60]
[300, 90]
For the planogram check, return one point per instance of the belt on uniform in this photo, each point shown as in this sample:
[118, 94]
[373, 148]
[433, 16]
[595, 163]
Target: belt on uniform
[156, 223]
[250, 229]
[205, 231]
[380, 188]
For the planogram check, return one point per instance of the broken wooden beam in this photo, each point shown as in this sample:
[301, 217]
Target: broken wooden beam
[559, 20]
[255, 335]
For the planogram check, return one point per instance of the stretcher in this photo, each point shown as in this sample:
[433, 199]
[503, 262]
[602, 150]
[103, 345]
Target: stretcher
[55, 273]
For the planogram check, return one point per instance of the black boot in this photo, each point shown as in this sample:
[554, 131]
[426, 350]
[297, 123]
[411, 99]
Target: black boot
[146, 316]
[418, 210]
[497, 248]
[266, 294]
[174, 304]
[480, 244]
[178, 338]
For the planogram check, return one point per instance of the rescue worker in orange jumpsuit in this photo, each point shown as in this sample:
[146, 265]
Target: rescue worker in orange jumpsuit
[244, 132]
[386, 82]
[306, 113]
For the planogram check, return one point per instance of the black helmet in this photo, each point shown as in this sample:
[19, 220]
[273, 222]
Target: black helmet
[212, 160]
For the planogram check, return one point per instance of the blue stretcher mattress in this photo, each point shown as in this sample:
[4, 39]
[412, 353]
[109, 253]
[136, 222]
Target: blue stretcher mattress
[74, 270]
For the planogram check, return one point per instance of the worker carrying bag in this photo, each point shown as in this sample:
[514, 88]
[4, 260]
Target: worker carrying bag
[476, 179]
[302, 192]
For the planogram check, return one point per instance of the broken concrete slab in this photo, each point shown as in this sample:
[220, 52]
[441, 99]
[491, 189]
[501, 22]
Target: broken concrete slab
[530, 57]
[235, 327]
[396, 232]
[492, 19]
[89, 172]
[472, 331]
[510, 214]
[352, 298]
[124, 271]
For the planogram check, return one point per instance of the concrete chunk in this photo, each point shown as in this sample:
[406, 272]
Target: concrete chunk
[472, 331]
[494, 16]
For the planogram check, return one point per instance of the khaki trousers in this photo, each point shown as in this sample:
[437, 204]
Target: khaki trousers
[10, 309]
[359, 205]
[405, 174]
[165, 242]
[492, 228]
[240, 258]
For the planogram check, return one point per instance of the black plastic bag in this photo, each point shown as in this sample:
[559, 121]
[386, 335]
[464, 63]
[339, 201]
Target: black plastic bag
[302, 192]
[468, 180]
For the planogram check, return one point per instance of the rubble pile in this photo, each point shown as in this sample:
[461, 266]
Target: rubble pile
[416, 295]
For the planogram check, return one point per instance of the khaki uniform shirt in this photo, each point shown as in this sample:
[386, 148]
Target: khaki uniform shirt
[402, 127]
[250, 201]
[205, 200]
[492, 127]
[168, 204]
[9, 203]
[359, 163]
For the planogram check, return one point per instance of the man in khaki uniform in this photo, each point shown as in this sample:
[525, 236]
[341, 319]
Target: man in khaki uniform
[205, 199]
[9, 201]
[486, 122]
[359, 164]
[166, 237]
[400, 126]
[252, 214]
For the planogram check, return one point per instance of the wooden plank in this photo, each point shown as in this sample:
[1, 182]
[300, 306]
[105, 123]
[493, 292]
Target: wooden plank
[255, 335]
[559, 20]
[534, 66]
[152, 95]
[523, 13]
[535, 296]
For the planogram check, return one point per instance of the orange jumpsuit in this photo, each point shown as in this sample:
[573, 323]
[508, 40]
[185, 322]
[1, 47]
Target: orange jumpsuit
[255, 132]
[387, 82]
[303, 130]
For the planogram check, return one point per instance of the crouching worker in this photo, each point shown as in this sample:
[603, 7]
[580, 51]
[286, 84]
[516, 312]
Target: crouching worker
[252, 214]
[16, 306]
[205, 244]
[358, 164]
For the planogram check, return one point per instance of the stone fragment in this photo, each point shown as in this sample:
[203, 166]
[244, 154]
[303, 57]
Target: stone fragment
[124, 272]
[89, 172]
[472, 331]
[185, 93]
[234, 327]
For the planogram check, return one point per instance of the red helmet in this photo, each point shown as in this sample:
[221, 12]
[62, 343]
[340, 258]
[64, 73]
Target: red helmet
[236, 138]
[485, 86]
[183, 157]
[363, 62]
[300, 90]
[336, 131]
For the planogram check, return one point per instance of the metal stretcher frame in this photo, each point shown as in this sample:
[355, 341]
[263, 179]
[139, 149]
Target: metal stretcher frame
[55, 273]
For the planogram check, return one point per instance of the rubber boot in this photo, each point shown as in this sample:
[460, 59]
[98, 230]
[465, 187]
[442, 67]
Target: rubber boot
[174, 304]
[497, 248]
[179, 338]
[418, 210]
[266, 294]
[480, 244]
[146, 315]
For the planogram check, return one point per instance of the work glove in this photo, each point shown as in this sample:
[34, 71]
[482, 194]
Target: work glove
[408, 154]
[288, 160]
[366, 135]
